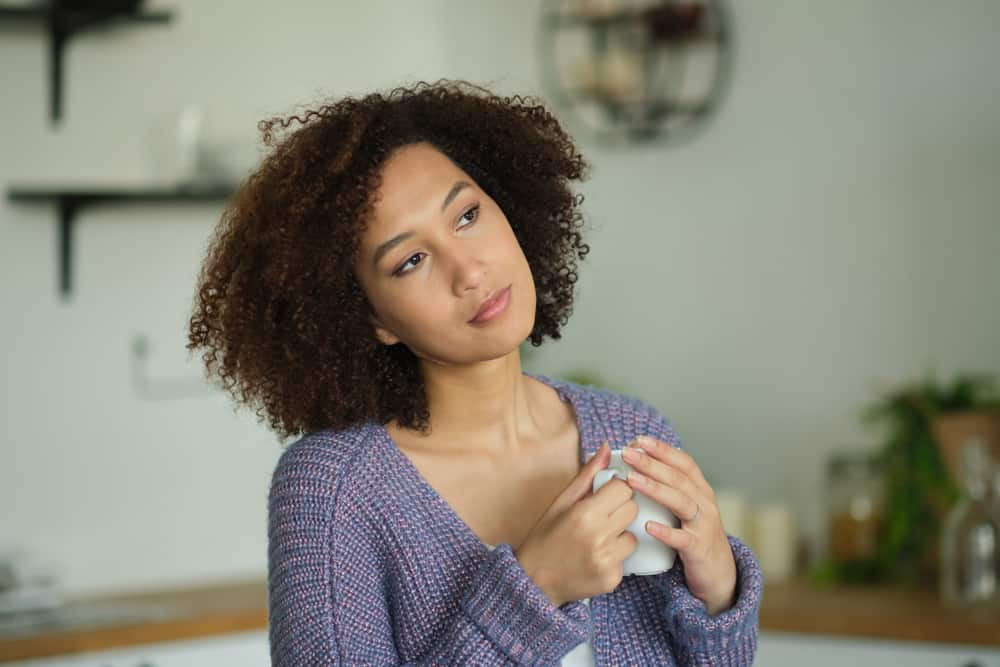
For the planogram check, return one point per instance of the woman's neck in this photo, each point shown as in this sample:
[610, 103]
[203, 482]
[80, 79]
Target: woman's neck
[491, 408]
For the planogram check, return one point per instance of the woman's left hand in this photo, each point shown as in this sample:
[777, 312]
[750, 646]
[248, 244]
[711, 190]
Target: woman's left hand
[670, 476]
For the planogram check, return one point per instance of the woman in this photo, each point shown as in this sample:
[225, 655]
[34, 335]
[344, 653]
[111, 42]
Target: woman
[368, 289]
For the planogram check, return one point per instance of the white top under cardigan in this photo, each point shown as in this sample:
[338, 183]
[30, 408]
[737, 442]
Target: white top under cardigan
[581, 655]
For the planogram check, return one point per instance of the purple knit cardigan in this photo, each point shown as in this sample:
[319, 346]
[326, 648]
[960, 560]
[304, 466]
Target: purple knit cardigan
[368, 565]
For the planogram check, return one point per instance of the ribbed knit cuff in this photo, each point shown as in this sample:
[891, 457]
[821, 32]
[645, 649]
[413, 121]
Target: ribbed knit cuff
[728, 638]
[507, 605]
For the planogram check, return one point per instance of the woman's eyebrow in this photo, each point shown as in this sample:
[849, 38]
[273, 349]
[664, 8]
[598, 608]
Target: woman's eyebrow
[455, 189]
[399, 238]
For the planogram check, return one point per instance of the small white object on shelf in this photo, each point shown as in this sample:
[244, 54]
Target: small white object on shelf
[774, 540]
[733, 510]
[25, 584]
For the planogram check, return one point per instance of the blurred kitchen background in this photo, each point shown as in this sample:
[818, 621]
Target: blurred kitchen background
[800, 268]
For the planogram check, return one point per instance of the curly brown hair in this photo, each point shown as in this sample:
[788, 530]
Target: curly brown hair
[278, 309]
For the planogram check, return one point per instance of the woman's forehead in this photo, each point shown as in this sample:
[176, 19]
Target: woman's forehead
[415, 184]
[418, 183]
[413, 170]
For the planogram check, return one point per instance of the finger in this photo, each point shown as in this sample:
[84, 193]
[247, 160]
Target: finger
[623, 516]
[610, 497]
[677, 538]
[625, 544]
[662, 473]
[682, 504]
[583, 484]
[671, 454]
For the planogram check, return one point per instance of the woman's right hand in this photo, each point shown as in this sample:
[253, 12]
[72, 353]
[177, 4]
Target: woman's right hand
[577, 547]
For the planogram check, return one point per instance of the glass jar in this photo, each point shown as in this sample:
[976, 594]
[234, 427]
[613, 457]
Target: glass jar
[970, 540]
[856, 507]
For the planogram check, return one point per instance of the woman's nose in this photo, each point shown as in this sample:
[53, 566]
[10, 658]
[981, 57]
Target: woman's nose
[470, 269]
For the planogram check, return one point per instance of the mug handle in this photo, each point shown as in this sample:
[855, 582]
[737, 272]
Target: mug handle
[604, 476]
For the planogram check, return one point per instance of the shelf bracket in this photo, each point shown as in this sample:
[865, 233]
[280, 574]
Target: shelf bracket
[62, 24]
[70, 201]
[67, 214]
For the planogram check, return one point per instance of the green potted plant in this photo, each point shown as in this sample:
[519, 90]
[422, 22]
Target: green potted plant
[925, 420]
[953, 429]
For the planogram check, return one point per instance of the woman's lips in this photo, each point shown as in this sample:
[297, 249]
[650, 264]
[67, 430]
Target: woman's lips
[493, 307]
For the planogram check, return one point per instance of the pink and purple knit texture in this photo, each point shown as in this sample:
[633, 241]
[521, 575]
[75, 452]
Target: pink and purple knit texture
[368, 565]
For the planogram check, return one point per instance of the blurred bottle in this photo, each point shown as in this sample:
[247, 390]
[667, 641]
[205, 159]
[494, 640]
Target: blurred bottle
[970, 538]
[995, 505]
[856, 507]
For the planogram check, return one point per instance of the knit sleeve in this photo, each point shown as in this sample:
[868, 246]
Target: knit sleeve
[328, 590]
[729, 637]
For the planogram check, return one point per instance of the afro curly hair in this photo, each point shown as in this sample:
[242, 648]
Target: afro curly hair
[278, 310]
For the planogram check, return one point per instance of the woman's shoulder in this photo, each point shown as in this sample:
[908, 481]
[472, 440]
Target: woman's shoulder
[315, 463]
[329, 446]
[596, 397]
[622, 413]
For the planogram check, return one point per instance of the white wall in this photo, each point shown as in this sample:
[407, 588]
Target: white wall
[833, 232]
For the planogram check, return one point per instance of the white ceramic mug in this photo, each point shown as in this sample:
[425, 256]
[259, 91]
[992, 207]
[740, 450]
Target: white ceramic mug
[650, 556]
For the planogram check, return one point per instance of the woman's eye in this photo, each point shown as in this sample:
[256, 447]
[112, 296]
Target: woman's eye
[469, 216]
[475, 214]
[400, 271]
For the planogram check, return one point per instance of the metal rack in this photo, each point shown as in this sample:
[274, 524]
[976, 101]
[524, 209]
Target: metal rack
[658, 36]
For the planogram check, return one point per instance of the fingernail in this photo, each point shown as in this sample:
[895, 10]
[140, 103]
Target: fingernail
[597, 453]
[646, 440]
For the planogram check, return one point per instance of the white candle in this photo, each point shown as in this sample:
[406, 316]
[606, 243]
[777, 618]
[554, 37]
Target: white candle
[733, 510]
[774, 540]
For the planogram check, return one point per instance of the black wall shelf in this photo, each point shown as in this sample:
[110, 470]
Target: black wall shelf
[71, 200]
[62, 24]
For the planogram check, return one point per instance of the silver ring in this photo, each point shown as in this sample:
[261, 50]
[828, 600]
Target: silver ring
[697, 512]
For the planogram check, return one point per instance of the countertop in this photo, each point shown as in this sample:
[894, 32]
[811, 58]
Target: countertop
[873, 613]
[91, 624]
[114, 621]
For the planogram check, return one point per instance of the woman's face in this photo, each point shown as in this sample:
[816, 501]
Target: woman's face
[436, 248]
